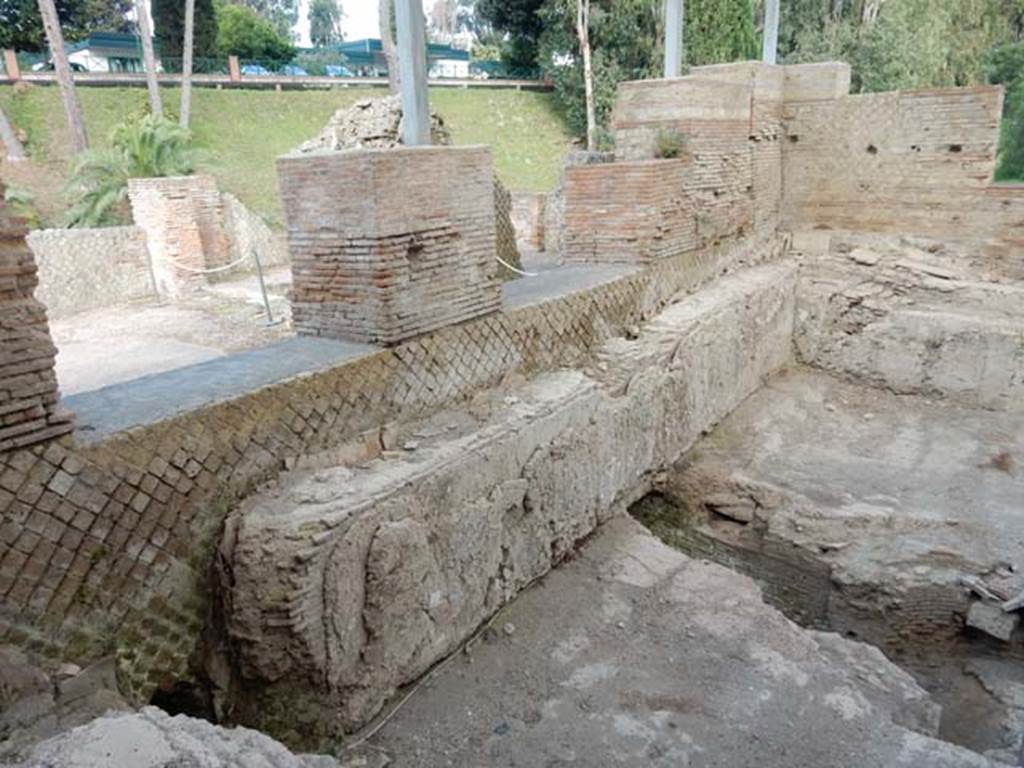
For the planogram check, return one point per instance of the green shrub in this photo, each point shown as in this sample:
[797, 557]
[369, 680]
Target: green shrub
[669, 144]
[141, 148]
[1005, 65]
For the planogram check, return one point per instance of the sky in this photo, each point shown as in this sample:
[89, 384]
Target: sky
[360, 19]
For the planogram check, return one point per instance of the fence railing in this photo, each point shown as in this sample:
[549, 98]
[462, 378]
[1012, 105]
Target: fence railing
[320, 66]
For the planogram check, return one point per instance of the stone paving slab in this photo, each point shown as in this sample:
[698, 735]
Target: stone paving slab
[635, 655]
[160, 396]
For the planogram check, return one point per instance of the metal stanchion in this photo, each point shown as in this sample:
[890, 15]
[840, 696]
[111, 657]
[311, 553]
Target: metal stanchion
[263, 289]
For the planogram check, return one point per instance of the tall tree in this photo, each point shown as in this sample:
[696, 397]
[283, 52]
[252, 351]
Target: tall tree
[719, 31]
[12, 146]
[185, 115]
[72, 107]
[583, 31]
[282, 14]
[21, 24]
[244, 34]
[625, 39]
[325, 22]
[148, 59]
[169, 22]
[387, 37]
[521, 21]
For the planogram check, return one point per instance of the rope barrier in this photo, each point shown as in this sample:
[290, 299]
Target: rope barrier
[518, 271]
[197, 271]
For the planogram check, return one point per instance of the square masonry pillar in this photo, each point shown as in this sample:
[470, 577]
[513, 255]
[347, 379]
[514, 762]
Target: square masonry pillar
[389, 244]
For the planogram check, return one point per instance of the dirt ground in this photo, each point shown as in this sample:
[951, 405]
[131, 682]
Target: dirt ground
[117, 344]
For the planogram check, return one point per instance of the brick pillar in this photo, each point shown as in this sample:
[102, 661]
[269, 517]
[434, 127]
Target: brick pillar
[234, 71]
[183, 218]
[11, 65]
[389, 244]
[627, 212]
[29, 412]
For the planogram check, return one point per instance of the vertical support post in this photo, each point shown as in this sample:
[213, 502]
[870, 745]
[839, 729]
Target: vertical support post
[11, 65]
[412, 60]
[673, 38]
[771, 31]
[185, 114]
[234, 70]
[148, 58]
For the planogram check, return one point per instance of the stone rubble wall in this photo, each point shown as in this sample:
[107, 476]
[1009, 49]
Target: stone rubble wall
[390, 244]
[345, 584]
[29, 398]
[84, 269]
[914, 163]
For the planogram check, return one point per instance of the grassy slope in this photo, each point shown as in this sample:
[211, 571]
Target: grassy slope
[241, 132]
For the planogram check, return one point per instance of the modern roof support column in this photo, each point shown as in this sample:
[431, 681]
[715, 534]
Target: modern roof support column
[412, 57]
[674, 20]
[771, 31]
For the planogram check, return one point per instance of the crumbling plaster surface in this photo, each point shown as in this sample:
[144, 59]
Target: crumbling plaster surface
[151, 738]
[636, 655]
[344, 584]
[913, 316]
[898, 498]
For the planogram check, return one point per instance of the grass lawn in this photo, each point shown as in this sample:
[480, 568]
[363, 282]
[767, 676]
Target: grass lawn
[240, 133]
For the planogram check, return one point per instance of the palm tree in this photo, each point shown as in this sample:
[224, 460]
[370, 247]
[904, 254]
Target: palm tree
[149, 60]
[186, 63]
[72, 107]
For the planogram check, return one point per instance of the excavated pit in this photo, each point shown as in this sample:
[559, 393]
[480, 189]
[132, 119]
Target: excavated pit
[878, 516]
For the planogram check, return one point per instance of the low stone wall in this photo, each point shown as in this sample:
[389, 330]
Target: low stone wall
[84, 269]
[110, 544]
[29, 412]
[626, 212]
[347, 583]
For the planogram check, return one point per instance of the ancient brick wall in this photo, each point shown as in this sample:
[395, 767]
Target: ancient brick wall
[83, 269]
[714, 116]
[629, 212]
[918, 163]
[528, 217]
[183, 217]
[106, 542]
[29, 412]
[389, 244]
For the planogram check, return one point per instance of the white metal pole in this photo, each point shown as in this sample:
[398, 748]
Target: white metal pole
[412, 64]
[771, 31]
[673, 38]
